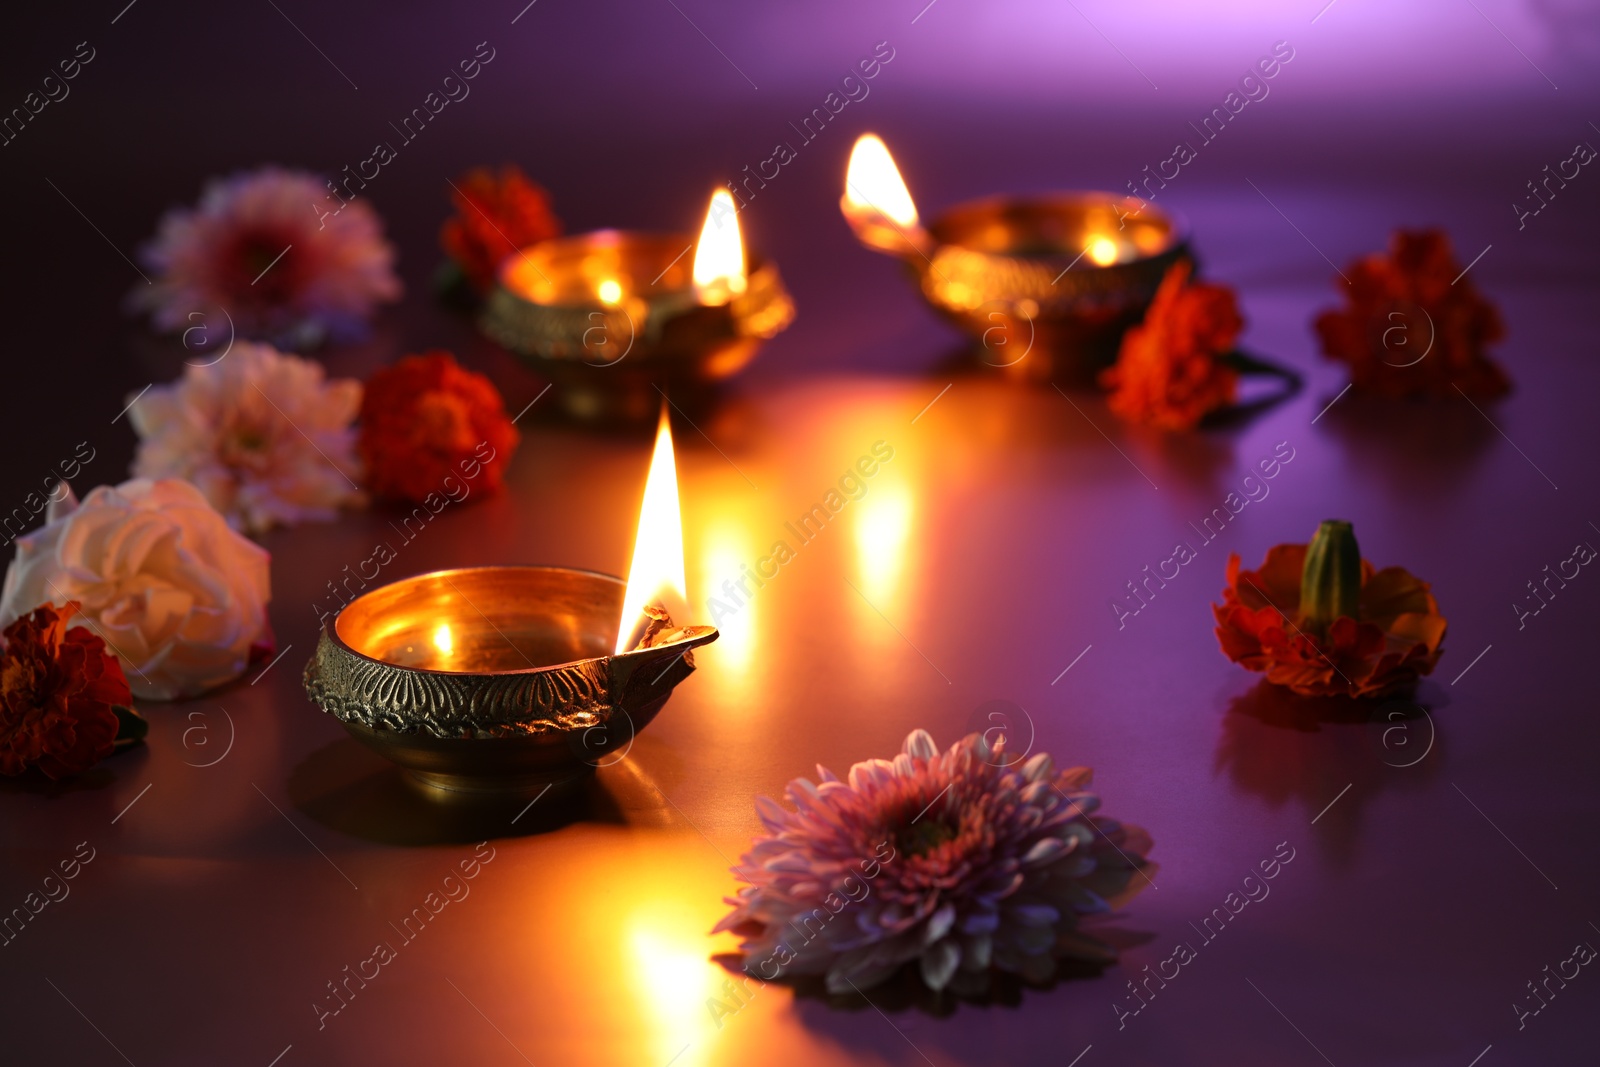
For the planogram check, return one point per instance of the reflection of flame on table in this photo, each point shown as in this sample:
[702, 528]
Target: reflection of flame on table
[882, 532]
[675, 981]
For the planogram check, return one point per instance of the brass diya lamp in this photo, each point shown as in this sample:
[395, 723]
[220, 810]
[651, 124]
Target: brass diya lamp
[612, 316]
[505, 681]
[1047, 284]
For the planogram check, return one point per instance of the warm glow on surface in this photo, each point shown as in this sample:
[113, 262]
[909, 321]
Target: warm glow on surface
[872, 182]
[658, 547]
[719, 273]
[610, 292]
[443, 640]
[729, 554]
[882, 529]
[1102, 251]
[675, 981]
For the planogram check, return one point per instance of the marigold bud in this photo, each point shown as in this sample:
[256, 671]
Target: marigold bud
[1330, 584]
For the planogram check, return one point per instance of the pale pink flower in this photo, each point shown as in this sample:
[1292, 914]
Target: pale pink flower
[262, 434]
[956, 861]
[273, 251]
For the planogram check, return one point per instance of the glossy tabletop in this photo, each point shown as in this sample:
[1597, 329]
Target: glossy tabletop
[251, 857]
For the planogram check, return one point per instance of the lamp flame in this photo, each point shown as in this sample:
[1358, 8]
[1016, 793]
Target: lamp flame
[719, 271]
[1102, 251]
[658, 547]
[872, 183]
[443, 640]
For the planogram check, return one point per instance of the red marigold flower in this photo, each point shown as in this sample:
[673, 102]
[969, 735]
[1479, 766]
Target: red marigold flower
[1413, 324]
[426, 419]
[1169, 372]
[1286, 621]
[58, 688]
[496, 216]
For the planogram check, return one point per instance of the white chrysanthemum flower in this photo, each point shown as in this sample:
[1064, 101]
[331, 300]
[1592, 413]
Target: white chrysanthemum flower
[262, 434]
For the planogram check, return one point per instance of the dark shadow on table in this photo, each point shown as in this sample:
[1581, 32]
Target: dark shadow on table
[37, 783]
[1263, 384]
[905, 990]
[1419, 449]
[1332, 755]
[346, 788]
[117, 766]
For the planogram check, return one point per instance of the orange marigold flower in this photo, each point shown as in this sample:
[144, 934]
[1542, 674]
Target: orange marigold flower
[426, 420]
[1168, 371]
[1267, 622]
[497, 214]
[58, 689]
[1413, 324]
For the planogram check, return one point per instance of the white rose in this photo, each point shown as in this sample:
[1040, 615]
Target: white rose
[178, 596]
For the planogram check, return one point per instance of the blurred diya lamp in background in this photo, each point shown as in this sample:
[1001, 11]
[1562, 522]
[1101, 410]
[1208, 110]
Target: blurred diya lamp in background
[505, 681]
[1046, 283]
[612, 315]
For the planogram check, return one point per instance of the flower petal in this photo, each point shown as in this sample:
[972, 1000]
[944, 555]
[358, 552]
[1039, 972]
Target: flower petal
[772, 814]
[919, 745]
[1044, 851]
[939, 962]
[939, 923]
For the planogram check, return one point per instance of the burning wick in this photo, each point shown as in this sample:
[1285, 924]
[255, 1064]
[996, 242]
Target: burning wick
[872, 182]
[658, 546]
[719, 271]
[877, 203]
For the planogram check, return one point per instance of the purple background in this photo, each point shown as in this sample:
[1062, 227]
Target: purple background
[1408, 922]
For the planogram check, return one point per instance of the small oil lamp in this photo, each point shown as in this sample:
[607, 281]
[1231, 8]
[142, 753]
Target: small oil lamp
[1058, 276]
[612, 315]
[507, 680]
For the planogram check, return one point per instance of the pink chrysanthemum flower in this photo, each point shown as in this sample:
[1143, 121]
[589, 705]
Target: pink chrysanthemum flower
[956, 860]
[263, 434]
[267, 248]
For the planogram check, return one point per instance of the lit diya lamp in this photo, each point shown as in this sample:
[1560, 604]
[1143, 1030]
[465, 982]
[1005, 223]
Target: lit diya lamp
[613, 315]
[1059, 276]
[505, 680]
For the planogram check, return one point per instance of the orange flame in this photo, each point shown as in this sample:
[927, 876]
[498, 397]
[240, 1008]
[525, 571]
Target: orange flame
[658, 546]
[719, 271]
[872, 183]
